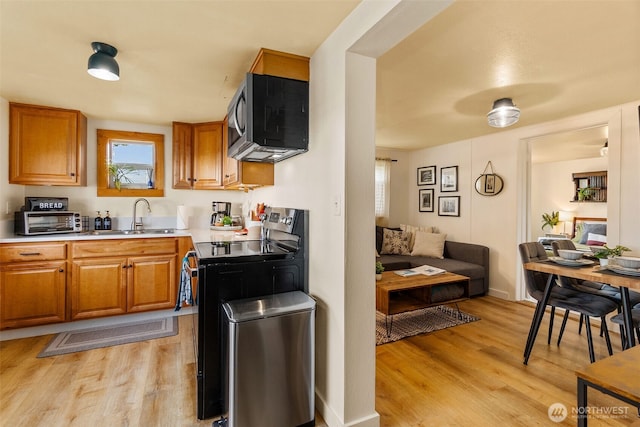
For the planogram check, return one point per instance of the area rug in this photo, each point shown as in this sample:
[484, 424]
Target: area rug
[106, 336]
[420, 321]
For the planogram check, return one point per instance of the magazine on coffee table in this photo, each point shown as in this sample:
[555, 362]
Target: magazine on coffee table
[427, 270]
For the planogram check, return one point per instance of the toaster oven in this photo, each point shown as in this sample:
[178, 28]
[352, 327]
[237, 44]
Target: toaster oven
[30, 223]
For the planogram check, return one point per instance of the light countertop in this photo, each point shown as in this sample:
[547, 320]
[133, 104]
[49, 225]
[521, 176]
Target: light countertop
[196, 234]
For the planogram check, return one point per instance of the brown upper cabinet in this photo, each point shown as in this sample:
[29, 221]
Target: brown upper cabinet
[47, 146]
[197, 155]
[281, 64]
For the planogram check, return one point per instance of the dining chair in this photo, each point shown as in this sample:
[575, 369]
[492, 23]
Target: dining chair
[635, 321]
[568, 299]
[588, 286]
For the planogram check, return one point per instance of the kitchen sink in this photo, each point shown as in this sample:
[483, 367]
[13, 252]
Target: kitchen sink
[127, 232]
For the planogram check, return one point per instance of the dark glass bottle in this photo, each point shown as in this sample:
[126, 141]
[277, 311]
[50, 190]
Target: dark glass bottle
[106, 222]
[97, 222]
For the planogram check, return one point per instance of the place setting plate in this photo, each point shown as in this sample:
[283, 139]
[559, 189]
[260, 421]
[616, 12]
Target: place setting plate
[623, 270]
[582, 262]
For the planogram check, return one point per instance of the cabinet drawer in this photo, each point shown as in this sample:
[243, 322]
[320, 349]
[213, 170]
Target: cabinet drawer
[33, 252]
[123, 247]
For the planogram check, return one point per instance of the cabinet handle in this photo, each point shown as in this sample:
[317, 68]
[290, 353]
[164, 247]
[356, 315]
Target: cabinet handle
[30, 253]
[61, 270]
[72, 174]
[125, 266]
[130, 265]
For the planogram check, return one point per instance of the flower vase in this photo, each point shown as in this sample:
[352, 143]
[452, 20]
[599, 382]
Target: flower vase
[604, 262]
[378, 276]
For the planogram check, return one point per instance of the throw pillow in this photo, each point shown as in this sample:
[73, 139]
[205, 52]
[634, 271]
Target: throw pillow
[592, 228]
[429, 245]
[413, 229]
[395, 242]
[578, 233]
[596, 239]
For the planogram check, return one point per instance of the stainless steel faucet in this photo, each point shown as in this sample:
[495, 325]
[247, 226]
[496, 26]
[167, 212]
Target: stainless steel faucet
[135, 225]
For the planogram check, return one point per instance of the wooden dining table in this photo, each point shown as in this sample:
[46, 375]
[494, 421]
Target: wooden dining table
[593, 273]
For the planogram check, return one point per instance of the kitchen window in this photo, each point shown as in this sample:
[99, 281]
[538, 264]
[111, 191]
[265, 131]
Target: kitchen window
[130, 164]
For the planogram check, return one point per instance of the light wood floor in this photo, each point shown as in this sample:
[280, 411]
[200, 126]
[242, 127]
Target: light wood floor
[467, 375]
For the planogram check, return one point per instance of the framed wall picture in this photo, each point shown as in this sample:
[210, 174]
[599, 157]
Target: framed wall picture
[449, 205]
[449, 179]
[427, 175]
[425, 200]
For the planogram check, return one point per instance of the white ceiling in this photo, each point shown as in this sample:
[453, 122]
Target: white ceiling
[182, 60]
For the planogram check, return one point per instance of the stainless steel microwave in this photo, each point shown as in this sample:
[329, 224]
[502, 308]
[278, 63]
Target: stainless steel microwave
[268, 119]
[30, 223]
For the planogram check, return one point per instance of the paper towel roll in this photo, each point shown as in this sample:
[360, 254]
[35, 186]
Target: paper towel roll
[253, 229]
[182, 218]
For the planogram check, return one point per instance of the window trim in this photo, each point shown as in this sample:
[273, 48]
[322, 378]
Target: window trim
[104, 137]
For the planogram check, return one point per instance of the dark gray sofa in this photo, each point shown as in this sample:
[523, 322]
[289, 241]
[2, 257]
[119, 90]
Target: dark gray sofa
[467, 259]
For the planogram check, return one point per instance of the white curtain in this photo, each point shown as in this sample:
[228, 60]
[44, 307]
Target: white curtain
[382, 191]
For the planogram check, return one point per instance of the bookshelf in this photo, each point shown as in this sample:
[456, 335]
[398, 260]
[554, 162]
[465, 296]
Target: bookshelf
[595, 181]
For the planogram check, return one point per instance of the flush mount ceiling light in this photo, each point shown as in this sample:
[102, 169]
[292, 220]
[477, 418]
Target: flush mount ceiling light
[503, 114]
[605, 149]
[102, 63]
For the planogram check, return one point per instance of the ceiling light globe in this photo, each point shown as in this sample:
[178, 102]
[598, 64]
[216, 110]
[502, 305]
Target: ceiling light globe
[604, 151]
[503, 114]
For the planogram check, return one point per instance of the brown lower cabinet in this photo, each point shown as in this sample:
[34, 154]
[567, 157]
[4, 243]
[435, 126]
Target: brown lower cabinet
[109, 286]
[32, 294]
[33, 280]
[104, 278]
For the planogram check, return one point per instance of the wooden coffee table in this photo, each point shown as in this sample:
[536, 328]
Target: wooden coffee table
[396, 294]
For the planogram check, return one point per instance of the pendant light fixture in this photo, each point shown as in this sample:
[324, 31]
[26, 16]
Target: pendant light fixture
[503, 114]
[605, 149]
[102, 64]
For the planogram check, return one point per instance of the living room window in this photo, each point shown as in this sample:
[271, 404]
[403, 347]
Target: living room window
[382, 177]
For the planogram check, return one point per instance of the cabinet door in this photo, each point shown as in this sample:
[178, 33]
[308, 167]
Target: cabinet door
[151, 283]
[46, 146]
[207, 156]
[98, 287]
[182, 155]
[32, 294]
[230, 168]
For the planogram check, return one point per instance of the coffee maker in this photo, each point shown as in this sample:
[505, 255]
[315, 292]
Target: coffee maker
[220, 210]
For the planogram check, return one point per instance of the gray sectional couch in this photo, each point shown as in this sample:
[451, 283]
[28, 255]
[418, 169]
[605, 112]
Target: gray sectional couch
[467, 259]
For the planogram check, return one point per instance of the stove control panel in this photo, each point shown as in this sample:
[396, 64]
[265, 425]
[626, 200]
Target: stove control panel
[281, 219]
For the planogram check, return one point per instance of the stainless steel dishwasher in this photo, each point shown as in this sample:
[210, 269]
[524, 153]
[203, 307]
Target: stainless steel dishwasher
[271, 361]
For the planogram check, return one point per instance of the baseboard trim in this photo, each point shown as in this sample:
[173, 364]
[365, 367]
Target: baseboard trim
[333, 420]
[499, 294]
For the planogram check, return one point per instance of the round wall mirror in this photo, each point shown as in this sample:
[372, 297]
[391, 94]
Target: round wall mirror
[489, 184]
